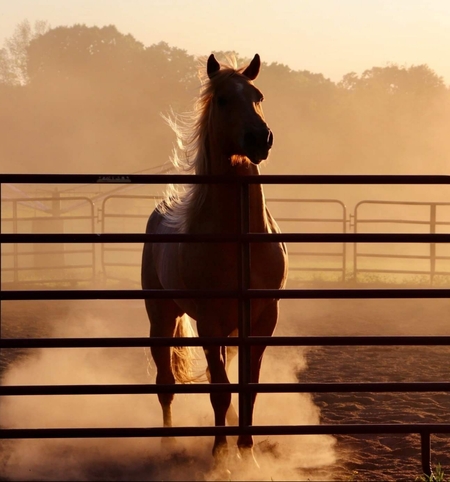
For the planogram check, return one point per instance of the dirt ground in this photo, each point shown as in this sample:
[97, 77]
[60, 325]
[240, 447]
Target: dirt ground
[358, 458]
[384, 457]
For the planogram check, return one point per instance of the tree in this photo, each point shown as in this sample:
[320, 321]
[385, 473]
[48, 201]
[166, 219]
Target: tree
[13, 57]
[68, 53]
[89, 99]
[93, 100]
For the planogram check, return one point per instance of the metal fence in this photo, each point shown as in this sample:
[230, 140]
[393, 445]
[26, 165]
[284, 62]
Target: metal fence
[244, 294]
[121, 213]
[112, 255]
[59, 264]
[432, 220]
[338, 222]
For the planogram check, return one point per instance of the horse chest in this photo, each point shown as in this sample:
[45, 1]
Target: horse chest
[216, 266]
[268, 266]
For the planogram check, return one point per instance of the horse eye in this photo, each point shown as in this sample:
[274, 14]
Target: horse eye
[222, 101]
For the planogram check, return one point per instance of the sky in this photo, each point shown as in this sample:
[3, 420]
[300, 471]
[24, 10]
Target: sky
[332, 37]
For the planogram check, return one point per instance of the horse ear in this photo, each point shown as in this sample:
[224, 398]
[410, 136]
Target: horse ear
[212, 66]
[252, 71]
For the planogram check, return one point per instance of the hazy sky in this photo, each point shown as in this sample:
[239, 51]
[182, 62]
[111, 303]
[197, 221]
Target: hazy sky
[332, 37]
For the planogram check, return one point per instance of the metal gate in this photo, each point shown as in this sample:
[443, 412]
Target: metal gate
[425, 217]
[244, 294]
[28, 264]
[121, 262]
[334, 221]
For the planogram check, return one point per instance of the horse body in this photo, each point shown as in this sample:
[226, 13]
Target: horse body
[228, 146]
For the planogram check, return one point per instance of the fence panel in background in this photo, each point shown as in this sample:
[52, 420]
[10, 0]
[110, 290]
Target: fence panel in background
[313, 261]
[423, 263]
[122, 213]
[57, 263]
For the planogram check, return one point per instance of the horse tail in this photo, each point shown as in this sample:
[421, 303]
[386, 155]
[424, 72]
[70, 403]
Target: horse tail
[183, 357]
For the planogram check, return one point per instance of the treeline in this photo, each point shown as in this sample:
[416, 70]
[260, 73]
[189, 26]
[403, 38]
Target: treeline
[89, 99]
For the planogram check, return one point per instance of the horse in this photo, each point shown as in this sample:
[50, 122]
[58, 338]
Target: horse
[226, 135]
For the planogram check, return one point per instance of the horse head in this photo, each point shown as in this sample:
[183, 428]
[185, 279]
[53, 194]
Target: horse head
[236, 120]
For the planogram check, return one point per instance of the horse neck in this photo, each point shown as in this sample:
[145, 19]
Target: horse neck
[223, 200]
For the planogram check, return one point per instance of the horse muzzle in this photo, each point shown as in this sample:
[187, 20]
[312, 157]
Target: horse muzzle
[257, 144]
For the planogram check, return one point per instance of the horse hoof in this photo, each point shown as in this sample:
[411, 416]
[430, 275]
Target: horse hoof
[219, 474]
[247, 457]
[220, 469]
[169, 444]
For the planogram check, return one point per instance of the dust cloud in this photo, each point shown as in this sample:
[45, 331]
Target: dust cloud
[286, 458]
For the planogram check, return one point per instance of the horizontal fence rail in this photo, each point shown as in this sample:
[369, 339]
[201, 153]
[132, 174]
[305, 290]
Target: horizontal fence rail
[243, 295]
[344, 293]
[227, 238]
[208, 179]
[325, 429]
[340, 387]
[138, 342]
[133, 389]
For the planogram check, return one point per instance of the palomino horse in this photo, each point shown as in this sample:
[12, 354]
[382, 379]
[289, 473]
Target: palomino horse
[228, 136]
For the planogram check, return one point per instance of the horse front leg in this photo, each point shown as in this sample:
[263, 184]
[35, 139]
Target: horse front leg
[210, 325]
[245, 441]
[163, 317]
[219, 401]
[264, 326]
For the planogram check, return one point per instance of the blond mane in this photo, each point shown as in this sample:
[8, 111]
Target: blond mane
[189, 156]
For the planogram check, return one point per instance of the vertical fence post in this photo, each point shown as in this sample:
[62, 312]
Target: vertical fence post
[1, 274]
[425, 445]
[432, 245]
[355, 245]
[244, 308]
[93, 246]
[15, 245]
[344, 246]
[101, 214]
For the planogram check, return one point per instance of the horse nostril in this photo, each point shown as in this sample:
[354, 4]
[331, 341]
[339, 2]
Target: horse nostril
[270, 139]
[261, 138]
[249, 139]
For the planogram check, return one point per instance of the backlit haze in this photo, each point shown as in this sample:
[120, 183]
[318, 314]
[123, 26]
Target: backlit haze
[332, 37]
[351, 87]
